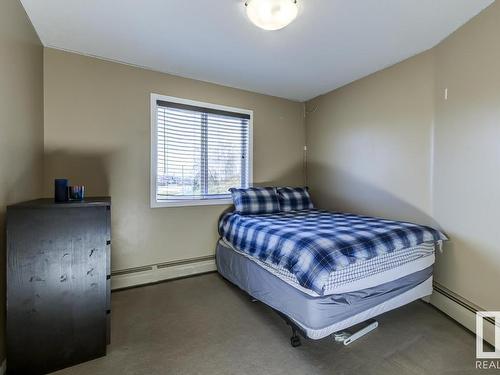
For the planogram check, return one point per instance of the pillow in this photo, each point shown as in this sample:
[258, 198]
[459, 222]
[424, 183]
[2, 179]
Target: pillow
[292, 199]
[255, 200]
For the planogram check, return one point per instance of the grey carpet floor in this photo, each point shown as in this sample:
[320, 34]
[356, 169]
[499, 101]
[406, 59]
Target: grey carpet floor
[204, 325]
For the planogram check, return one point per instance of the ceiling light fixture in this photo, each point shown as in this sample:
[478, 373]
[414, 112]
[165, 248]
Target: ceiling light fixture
[272, 14]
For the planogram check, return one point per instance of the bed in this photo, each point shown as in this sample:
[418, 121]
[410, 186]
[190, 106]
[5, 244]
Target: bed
[326, 271]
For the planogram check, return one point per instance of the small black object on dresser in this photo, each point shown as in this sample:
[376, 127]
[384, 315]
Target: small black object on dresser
[58, 284]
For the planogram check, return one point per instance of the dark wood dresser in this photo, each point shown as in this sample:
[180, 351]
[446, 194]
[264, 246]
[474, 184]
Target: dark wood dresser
[58, 284]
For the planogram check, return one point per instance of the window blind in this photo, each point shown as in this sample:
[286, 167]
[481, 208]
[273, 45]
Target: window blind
[201, 152]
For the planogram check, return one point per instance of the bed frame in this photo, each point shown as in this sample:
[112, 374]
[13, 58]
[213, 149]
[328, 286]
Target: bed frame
[295, 339]
[233, 266]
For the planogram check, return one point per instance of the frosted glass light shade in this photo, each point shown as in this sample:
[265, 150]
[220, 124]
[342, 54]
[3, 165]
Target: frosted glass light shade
[272, 14]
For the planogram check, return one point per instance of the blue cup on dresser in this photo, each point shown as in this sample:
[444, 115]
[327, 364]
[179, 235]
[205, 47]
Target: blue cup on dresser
[61, 190]
[76, 192]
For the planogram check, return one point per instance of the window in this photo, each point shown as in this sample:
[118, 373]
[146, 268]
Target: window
[198, 152]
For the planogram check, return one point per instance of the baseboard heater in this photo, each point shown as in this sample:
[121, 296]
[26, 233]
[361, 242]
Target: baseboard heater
[463, 311]
[127, 271]
[461, 301]
[154, 273]
[173, 263]
[186, 261]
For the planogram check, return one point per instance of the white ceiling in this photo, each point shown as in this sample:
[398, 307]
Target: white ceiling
[331, 43]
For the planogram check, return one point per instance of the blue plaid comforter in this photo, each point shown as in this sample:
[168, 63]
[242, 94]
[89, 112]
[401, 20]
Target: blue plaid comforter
[313, 243]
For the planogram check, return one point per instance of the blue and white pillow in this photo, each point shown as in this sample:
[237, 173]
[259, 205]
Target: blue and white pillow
[294, 198]
[255, 200]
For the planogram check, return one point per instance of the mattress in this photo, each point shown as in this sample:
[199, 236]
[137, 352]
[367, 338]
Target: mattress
[361, 275]
[320, 316]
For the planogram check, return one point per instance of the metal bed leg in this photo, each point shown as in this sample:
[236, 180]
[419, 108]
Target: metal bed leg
[295, 339]
[347, 338]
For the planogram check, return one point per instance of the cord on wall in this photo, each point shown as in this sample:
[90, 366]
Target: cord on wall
[304, 156]
[304, 164]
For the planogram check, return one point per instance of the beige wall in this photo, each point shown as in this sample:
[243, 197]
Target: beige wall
[467, 158]
[97, 133]
[21, 120]
[391, 145]
[369, 143]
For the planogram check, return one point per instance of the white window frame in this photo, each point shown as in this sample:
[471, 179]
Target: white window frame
[154, 153]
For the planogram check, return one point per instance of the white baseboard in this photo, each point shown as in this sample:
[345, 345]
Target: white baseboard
[462, 311]
[161, 272]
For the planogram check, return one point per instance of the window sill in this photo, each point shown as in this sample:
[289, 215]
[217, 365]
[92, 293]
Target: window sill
[191, 202]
